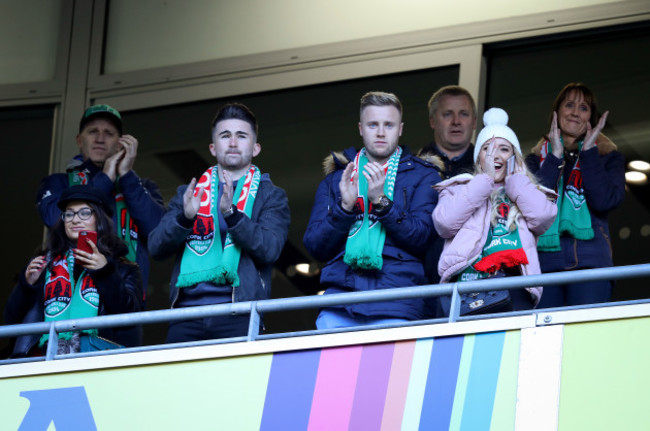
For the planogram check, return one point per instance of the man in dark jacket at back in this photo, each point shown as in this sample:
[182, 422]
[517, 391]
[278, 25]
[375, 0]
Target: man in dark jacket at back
[371, 221]
[452, 117]
[227, 230]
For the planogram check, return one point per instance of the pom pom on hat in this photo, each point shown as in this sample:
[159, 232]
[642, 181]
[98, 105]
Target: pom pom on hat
[496, 124]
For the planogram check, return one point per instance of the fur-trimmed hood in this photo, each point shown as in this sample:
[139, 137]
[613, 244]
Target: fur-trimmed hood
[339, 159]
[435, 160]
[603, 143]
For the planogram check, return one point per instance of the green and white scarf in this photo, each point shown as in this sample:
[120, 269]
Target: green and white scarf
[365, 242]
[573, 215]
[126, 228]
[203, 258]
[503, 247]
[65, 298]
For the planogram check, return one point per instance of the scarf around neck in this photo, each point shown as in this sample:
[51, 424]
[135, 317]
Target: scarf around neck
[573, 215]
[502, 248]
[366, 237]
[67, 298]
[203, 257]
[127, 231]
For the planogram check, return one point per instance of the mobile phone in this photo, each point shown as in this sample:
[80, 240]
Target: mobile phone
[83, 236]
[511, 165]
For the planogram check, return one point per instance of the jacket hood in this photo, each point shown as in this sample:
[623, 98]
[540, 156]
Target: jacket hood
[603, 143]
[340, 159]
[435, 160]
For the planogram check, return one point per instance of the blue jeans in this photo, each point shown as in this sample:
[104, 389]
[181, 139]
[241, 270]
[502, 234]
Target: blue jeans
[331, 318]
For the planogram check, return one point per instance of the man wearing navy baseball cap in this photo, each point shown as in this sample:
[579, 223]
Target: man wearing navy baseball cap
[106, 162]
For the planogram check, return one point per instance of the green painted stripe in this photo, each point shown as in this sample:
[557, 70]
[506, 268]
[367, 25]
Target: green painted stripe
[505, 400]
[461, 385]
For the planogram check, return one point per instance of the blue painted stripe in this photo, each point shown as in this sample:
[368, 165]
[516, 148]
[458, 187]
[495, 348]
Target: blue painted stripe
[290, 390]
[482, 384]
[441, 383]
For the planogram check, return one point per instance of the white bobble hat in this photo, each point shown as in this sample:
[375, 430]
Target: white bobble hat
[496, 124]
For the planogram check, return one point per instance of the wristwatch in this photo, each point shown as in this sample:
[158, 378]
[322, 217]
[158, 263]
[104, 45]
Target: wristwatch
[230, 211]
[383, 203]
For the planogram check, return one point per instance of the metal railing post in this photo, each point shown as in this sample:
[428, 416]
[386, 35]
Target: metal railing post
[454, 309]
[52, 344]
[254, 322]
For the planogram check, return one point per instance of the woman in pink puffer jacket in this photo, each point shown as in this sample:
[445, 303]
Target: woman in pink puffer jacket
[491, 220]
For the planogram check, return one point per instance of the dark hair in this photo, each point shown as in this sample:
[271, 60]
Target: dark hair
[108, 243]
[449, 90]
[586, 92]
[379, 98]
[237, 111]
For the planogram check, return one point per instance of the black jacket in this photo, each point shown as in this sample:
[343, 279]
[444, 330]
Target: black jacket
[119, 284]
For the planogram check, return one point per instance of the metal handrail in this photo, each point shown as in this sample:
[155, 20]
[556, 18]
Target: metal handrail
[257, 308]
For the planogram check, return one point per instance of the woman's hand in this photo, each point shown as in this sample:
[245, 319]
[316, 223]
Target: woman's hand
[592, 134]
[35, 269]
[489, 158]
[554, 136]
[94, 260]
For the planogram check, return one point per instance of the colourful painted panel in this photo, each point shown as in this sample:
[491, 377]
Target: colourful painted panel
[447, 383]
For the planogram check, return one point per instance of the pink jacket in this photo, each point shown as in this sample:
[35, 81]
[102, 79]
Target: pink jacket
[462, 218]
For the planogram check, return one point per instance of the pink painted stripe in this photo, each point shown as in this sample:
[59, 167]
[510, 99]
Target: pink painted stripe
[335, 387]
[398, 383]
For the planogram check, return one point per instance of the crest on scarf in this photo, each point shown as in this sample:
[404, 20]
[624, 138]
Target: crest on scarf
[500, 231]
[58, 291]
[89, 292]
[133, 229]
[79, 177]
[573, 190]
[202, 236]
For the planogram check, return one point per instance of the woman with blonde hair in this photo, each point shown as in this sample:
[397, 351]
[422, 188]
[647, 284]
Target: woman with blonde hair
[491, 219]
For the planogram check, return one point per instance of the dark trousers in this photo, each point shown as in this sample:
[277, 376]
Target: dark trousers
[591, 292]
[208, 328]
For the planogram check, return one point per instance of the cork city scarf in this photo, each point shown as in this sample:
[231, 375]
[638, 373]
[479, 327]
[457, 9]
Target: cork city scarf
[67, 298]
[203, 258]
[573, 215]
[365, 242]
[502, 248]
[126, 228]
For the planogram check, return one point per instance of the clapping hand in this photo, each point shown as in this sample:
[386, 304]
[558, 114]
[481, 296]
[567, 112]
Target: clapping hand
[376, 178]
[592, 134]
[348, 187]
[554, 135]
[129, 151]
[227, 194]
[191, 202]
